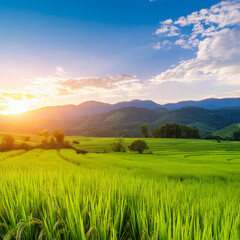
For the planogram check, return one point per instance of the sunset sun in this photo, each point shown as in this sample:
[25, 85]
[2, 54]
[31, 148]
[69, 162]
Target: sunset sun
[16, 107]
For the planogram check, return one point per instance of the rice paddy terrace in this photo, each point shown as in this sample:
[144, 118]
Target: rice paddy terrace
[179, 189]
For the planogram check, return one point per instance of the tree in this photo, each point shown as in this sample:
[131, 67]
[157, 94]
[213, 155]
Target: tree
[236, 136]
[59, 135]
[45, 133]
[118, 145]
[26, 138]
[144, 130]
[174, 130]
[139, 146]
[8, 142]
[156, 133]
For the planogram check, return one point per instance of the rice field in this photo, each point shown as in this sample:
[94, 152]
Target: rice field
[179, 189]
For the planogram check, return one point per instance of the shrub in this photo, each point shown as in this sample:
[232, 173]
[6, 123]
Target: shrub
[139, 146]
[8, 142]
[45, 133]
[48, 144]
[66, 144]
[81, 151]
[118, 145]
[211, 137]
[52, 144]
[59, 135]
[26, 138]
[24, 146]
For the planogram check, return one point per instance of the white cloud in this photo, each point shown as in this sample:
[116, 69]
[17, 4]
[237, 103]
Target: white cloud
[61, 85]
[218, 58]
[106, 83]
[168, 21]
[215, 35]
[202, 24]
[160, 45]
[183, 43]
[168, 30]
[60, 71]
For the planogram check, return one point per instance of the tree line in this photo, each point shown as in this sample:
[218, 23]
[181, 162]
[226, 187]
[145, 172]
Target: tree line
[170, 130]
[235, 137]
[54, 140]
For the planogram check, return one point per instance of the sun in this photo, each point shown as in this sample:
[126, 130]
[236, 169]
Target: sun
[16, 107]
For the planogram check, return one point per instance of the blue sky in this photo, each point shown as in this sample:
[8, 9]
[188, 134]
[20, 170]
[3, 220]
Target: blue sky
[111, 51]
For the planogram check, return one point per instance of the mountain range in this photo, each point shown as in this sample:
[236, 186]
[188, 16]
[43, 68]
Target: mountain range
[103, 119]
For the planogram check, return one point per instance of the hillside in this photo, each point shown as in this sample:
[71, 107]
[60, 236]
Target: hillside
[227, 132]
[126, 121]
[90, 108]
[212, 119]
[204, 129]
[71, 112]
[66, 112]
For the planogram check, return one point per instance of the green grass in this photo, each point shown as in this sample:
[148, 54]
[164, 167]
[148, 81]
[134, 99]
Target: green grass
[186, 189]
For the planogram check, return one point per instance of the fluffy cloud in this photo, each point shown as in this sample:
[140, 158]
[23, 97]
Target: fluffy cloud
[218, 46]
[168, 30]
[163, 44]
[202, 24]
[107, 83]
[218, 58]
[61, 85]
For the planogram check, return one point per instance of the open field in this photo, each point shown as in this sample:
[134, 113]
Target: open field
[182, 189]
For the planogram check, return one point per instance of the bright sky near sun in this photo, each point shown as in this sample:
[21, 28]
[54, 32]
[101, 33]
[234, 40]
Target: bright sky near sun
[66, 52]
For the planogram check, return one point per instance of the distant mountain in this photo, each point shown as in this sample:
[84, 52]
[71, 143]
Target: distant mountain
[72, 112]
[102, 119]
[90, 108]
[210, 103]
[137, 103]
[213, 119]
[66, 112]
[124, 121]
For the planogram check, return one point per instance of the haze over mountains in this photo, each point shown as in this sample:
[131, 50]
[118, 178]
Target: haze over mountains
[102, 119]
[70, 112]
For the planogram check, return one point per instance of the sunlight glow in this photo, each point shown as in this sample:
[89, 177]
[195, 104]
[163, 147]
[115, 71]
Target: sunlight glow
[16, 107]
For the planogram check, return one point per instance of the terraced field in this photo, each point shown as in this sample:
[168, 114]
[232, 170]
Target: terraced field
[182, 189]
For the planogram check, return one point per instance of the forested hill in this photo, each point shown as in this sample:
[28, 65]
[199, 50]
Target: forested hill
[90, 108]
[126, 121]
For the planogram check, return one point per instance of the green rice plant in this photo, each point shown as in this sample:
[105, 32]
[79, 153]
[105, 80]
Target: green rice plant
[187, 190]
